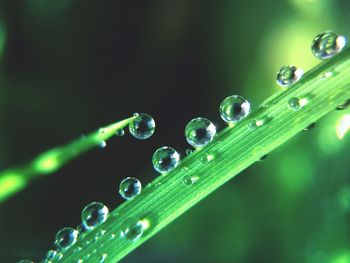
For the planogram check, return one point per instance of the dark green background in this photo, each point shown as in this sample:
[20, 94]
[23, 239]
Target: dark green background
[70, 66]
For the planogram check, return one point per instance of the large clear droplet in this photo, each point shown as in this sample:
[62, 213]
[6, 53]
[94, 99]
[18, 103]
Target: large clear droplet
[132, 229]
[165, 159]
[234, 108]
[66, 237]
[94, 214]
[130, 187]
[142, 127]
[327, 44]
[199, 132]
[288, 75]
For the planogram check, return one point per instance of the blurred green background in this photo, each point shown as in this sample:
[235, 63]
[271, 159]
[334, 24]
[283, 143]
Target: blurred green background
[70, 66]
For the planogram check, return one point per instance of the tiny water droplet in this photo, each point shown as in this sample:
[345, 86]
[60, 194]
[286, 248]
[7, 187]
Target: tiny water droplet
[255, 124]
[188, 151]
[102, 144]
[327, 74]
[112, 236]
[189, 179]
[99, 234]
[136, 114]
[234, 108]
[310, 127]
[94, 214]
[264, 157]
[288, 75]
[165, 159]
[132, 229]
[120, 132]
[199, 132]
[130, 187]
[296, 103]
[66, 237]
[87, 256]
[344, 105]
[51, 254]
[206, 158]
[102, 258]
[59, 256]
[80, 261]
[327, 44]
[142, 127]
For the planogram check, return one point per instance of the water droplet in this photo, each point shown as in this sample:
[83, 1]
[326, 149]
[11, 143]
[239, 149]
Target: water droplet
[327, 74]
[25, 261]
[344, 105]
[142, 127]
[264, 157]
[102, 144]
[112, 236]
[255, 124]
[189, 151]
[189, 179]
[102, 258]
[327, 44]
[87, 256]
[59, 256]
[130, 187]
[99, 234]
[310, 127]
[165, 159]
[120, 132]
[132, 229]
[66, 237]
[94, 214]
[136, 114]
[296, 103]
[199, 132]
[288, 75]
[234, 108]
[80, 261]
[206, 158]
[51, 254]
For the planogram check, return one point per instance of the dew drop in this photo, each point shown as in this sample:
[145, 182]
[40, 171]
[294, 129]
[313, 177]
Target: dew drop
[102, 144]
[310, 127]
[343, 106]
[288, 75]
[120, 132]
[51, 254]
[99, 234]
[102, 130]
[199, 132]
[327, 44]
[206, 158]
[77, 249]
[142, 127]
[255, 124]
[130, 187]
[112, 236]
[189, 180]
[296, 103]
[66, 237]
[189, 151]
[94, 214]
[132, 229]
[234, 108]
[165, 159]
[102, 258]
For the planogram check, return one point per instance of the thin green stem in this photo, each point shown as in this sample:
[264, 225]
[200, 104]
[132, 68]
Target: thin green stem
[15, 179]
[234, 149]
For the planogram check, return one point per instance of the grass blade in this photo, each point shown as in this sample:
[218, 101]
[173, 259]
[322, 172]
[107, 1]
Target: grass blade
[15, 179]
[234, 149]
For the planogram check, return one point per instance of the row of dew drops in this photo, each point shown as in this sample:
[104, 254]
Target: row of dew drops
[198, 133]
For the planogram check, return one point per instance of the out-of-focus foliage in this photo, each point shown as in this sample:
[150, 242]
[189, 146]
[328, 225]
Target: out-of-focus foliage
[70, 66]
